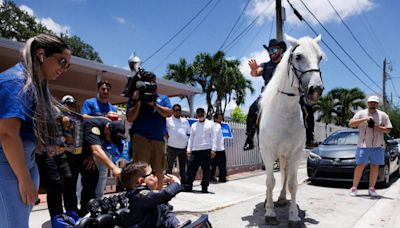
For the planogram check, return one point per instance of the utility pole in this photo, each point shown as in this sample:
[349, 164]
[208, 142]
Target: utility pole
[384, 85]
[279, 20]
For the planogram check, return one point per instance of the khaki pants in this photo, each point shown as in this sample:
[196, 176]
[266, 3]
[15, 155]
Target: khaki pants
[150, 151]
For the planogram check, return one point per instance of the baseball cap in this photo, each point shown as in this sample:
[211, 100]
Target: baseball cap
[117, 130]
[68, 99]
[373, 99]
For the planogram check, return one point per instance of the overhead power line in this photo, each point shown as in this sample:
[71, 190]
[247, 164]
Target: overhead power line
[330, 49]
[231, 44]
[233, 27]
[354, 37]
[179, 31]
[188, 35]
[334, 39]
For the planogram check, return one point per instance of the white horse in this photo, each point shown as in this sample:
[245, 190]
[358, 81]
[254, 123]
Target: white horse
[282, 133]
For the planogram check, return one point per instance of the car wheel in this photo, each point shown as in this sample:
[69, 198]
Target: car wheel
[386, 176]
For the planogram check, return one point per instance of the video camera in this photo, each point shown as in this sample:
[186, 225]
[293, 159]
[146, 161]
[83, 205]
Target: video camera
[144, 82]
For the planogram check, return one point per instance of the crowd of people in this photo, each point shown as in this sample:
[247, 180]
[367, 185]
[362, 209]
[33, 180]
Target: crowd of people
[36, 138]
[31, 151]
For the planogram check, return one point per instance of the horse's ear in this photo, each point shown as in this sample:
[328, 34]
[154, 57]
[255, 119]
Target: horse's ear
[318, 38]
[292, 41]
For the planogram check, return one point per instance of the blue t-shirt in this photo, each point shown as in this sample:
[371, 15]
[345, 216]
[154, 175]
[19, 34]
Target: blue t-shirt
[15, 103]
[94, 107]
[149, 123]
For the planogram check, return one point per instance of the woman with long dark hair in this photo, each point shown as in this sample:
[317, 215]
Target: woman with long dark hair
[27, 123]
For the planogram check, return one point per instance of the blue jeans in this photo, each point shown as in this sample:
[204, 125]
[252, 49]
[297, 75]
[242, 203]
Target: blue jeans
[13, 212]
[101, 182]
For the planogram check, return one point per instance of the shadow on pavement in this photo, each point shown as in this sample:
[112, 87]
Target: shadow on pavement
[282, 213]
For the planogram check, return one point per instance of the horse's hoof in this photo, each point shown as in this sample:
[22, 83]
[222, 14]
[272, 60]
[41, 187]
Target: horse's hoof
[294, 224]
[282, 202]
[269, 220]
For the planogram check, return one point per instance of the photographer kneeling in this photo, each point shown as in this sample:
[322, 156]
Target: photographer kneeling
[148, 110]
[95, 131]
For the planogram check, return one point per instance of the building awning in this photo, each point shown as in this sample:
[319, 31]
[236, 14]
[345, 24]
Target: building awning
[81, 79]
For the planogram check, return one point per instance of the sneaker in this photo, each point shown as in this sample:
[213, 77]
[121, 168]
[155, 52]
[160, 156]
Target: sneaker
[249, 145]
[372, 192]
[353, 191]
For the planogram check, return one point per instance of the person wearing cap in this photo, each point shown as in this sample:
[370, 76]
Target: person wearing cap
[69, 102]
[372, 124]
[57, 174]
[148, 129]
[95, 132]
[275, 50]
[99, 106]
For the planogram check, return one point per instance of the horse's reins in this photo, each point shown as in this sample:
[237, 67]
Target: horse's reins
[299, 77]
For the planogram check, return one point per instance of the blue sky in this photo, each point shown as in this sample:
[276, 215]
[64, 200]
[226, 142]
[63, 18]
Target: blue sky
[117, 28]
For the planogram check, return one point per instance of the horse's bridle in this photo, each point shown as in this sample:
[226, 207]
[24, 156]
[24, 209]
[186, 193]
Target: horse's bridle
[299, 77]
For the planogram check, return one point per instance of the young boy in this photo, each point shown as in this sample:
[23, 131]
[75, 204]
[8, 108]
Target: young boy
[149, 208]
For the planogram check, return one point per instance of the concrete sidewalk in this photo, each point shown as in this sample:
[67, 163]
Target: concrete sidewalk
[239, 188]
[250, 186]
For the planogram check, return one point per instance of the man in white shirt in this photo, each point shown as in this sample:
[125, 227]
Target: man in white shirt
[178, 130]
[199, 151]
[220, 158]
[372, 124]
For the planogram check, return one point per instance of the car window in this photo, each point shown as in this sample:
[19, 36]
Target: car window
[342, 138]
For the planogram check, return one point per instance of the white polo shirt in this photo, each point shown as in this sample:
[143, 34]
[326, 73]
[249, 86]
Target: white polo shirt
[178, 132]
[200, 136]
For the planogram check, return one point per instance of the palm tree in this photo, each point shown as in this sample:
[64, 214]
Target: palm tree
[207, 69]
[182, 72]
[346, 100]
[327, 111]
[231, 84]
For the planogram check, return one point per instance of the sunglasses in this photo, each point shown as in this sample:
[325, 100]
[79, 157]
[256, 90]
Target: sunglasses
[152, 173]
[273, 50]
[63, 62]
[177, 110]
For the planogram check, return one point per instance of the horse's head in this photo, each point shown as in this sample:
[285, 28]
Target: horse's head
[305, 56]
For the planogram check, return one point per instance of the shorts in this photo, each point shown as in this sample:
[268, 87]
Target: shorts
[150, 151]
[374, 156]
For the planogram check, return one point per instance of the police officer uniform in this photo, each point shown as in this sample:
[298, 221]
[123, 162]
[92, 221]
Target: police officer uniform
[93, 134]
[150, 209]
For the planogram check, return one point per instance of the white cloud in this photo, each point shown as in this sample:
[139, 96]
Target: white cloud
[120, 20]
[321, 9]
[55, 27]
[48, 22]
[27, 9]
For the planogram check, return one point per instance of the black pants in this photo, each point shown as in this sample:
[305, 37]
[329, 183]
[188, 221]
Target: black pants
[219, 161]
[89, 183]
[56, 177]
[200, 158]
[308, 113]
[252, 119]
[172, 153]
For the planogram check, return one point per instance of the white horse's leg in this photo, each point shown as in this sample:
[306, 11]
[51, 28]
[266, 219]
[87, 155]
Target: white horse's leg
[270, 216]
[284, 177]
[292, 185]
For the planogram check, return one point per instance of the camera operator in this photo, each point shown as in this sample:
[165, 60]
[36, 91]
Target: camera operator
[372, 124]
[95, 132]
[148, 113]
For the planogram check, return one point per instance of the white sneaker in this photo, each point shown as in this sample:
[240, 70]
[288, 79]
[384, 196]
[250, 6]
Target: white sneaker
[353, 191]
[372, 192]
